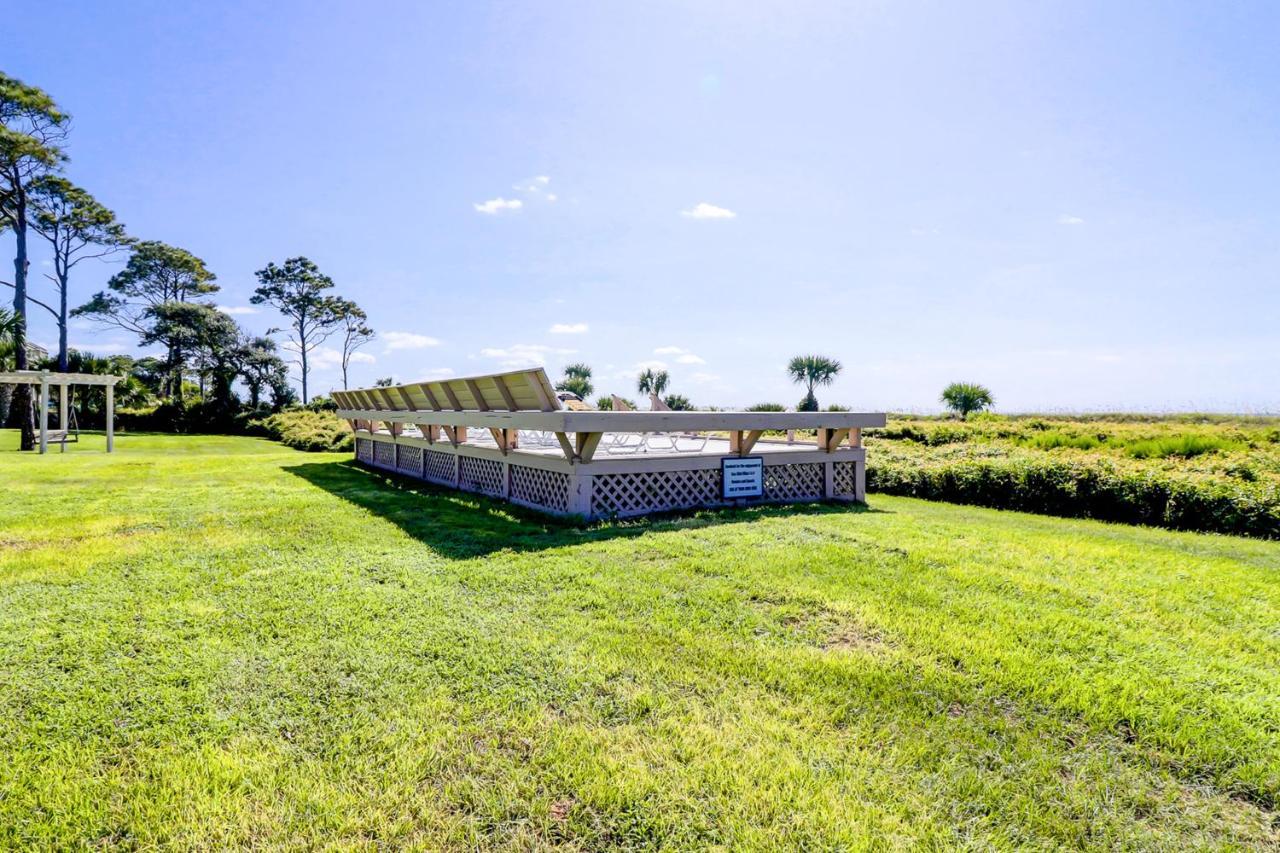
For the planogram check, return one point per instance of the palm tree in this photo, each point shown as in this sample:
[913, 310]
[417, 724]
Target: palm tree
[812, 371]
[963, 398]
[577, 380]
[652, 381]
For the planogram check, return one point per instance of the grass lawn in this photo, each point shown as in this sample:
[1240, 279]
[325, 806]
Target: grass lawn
[220, 641]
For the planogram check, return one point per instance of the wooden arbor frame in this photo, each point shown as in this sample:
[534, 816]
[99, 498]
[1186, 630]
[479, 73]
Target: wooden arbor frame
[44, 379]
[567, 475]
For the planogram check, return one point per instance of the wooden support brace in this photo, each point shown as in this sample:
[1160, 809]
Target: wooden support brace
[567, 447]
[834, 437]
[586, 444]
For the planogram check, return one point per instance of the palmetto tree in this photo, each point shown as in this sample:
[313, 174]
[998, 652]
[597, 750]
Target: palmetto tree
[577, 380]
[812, 371]
[964, 398]
[652, 381]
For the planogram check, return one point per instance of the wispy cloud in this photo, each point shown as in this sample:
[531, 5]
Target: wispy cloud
[568, 329]
[683, 356]
[438, 373]
[704, 378]
[523, 355]
[703, 210]
[408, 340]
[237, 310]
[1068, 219]
[497, 205]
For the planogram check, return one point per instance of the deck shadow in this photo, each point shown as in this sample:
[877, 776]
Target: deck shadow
[463, 525]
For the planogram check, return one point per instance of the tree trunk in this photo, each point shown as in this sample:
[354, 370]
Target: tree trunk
[62, 324]
[22, 398]
[303, 350]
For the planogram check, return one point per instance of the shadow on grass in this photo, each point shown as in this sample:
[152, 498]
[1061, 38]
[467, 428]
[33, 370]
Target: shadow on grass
[462, 525]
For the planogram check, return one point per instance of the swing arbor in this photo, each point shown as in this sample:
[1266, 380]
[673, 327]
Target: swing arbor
[67, 429]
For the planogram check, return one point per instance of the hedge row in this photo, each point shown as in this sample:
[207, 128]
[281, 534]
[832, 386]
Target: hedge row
[1088, 490]
[306, 430]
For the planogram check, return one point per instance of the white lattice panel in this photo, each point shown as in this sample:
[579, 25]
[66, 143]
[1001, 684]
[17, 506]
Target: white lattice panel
[384, 454]
[481, 475]
[654, 491]
[793, 482]
[409, 459]
[548, 489]
[438, 467]
[845, 478]
[364, 450]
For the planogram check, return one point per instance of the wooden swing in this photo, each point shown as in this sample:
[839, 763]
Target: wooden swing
[68, 430]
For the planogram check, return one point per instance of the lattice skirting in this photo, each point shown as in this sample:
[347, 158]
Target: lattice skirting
[793, 482]
[539, 488]
[409, 459]
[481, 475]
[845, 478]
[618, 494]
[438, 467]
[653, 491]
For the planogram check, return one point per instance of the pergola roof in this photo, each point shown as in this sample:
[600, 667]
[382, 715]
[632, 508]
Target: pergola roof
[516, 391]
[49, 377]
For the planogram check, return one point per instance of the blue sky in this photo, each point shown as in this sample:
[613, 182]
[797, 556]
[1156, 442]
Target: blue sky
[1076, 204]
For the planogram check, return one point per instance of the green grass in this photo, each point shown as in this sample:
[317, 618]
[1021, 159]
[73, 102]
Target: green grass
[212, 642]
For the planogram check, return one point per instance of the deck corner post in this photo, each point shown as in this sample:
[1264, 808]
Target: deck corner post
[860, 480]
[828, 479]
[580, 493]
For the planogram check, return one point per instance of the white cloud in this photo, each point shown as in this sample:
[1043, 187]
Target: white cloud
[358, 357]
[438, 373]
[702, 210]
[683, 356]
[237, 310]
[523, 355]
[568, 329]
[324, 358]
[652, 364]
[497, 205]
[1068, 219]
[536, 187]
[408, 340]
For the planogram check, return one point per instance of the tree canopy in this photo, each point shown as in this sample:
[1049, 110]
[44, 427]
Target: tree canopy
[965, 398]
[577, 380]
[812, 371]
[297, 289]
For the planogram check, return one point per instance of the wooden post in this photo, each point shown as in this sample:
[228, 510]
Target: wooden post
[828, 480]
[860, 480]
[44, 415]
[111, 418]
[62, 407]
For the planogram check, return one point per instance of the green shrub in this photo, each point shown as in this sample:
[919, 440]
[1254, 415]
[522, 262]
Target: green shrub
[766, 407]
[306, 430]
[1055, 439]
[1093, 489]
[1179, 445]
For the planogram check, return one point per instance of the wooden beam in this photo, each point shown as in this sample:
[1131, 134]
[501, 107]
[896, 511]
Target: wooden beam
[428, 432]
[855, 437]
[475, 392]
[506, 393]
[387, 400]
[431, 398]
[749, 441]
[834, 437]
[408, 401]
[570, 452]
[453, 398]
[587, 442]
[548, 403]
[499, 438]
